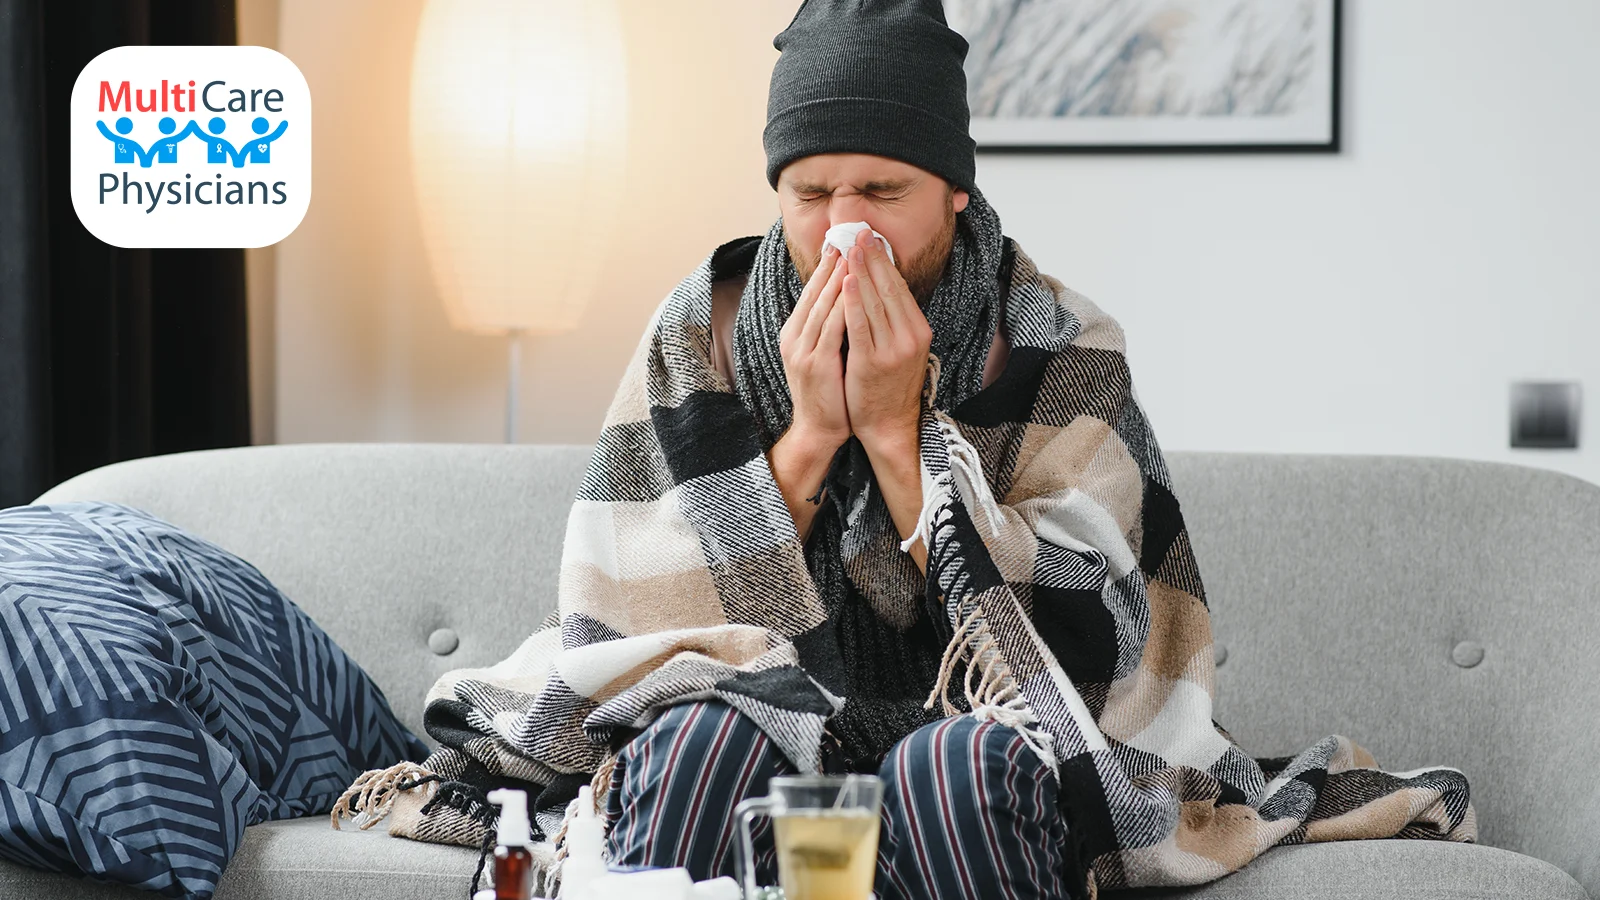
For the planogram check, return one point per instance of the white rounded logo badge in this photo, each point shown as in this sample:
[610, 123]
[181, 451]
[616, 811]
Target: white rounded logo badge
[191, 146]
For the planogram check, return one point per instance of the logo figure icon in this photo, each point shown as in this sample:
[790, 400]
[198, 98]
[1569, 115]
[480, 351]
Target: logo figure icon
[261, 150]
[126, 150]
[218, 150]
[167, 148]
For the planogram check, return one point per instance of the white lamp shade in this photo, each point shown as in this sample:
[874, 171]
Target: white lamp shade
[518, 144]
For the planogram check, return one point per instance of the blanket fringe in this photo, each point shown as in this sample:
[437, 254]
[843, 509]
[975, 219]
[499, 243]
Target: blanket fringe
[599, 786]
[371, 796]
[930, 388]
[995, 696]
[966, 470]
[963, 478]
[934, 493]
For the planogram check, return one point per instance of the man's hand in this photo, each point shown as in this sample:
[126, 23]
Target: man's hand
[810, 342]
[889, 340]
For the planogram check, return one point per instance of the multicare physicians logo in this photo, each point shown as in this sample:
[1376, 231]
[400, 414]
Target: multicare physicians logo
[191, 146]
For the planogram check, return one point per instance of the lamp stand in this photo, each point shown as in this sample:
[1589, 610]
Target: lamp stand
[513, 373]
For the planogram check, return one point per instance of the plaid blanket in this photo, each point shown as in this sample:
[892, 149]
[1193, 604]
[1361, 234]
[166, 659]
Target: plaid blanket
[1057, 553]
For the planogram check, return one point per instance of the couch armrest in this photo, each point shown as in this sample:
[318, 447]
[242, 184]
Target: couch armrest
[1348, 591]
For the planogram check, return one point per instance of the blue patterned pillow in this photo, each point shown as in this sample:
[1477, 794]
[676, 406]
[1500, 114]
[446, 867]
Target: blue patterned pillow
[159, 695]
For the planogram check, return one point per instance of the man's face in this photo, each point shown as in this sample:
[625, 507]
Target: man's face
[914, 209]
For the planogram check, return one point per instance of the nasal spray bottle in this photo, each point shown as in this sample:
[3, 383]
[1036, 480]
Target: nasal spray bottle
[586, 835]
[513, 864]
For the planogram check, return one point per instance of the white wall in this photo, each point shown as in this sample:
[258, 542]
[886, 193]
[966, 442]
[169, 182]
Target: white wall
[1376, 301]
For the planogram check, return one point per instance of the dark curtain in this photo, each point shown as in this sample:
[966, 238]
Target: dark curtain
[105, 354]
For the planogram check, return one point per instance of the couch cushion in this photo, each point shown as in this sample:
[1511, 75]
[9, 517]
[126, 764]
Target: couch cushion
[298, 859]
[1382, 870]
[305, 858]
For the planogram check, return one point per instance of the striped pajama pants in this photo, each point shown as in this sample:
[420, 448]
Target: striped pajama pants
[968, 809]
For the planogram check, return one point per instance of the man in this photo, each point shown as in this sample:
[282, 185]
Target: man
[866, 122]
[910, 189]
[903, 518]
[1004, 817]
[844, 146]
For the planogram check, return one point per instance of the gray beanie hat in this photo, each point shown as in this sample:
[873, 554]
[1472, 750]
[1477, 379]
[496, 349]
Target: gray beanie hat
[871, 76]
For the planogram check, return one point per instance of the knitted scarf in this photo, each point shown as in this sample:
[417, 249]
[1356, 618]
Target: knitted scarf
[882, 646]
[1060, 581]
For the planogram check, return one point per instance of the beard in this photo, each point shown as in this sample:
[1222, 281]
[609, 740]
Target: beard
[921, 271]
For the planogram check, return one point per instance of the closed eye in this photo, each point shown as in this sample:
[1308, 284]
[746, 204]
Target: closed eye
[874, 196]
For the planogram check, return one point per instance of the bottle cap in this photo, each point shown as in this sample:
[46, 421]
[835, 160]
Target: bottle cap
[514, 830]
[586, 836]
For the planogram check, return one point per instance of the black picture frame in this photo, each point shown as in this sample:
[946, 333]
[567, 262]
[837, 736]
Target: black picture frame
[1333, 143]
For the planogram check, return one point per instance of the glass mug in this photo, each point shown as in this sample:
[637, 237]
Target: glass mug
[825, 828]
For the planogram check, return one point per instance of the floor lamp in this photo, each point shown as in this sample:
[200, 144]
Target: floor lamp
[513, 378]
[518, 141]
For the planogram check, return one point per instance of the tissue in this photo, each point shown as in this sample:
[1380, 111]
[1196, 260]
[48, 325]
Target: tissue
[843, 236]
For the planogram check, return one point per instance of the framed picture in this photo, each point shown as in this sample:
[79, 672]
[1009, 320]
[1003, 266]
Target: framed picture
[1151, 75]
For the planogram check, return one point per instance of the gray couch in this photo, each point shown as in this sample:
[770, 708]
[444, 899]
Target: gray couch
[1437, 611]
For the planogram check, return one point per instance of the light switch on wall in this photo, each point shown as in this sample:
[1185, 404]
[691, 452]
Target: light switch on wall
[1544, 414]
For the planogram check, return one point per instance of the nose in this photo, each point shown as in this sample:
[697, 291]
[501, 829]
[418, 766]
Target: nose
[848, 208]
